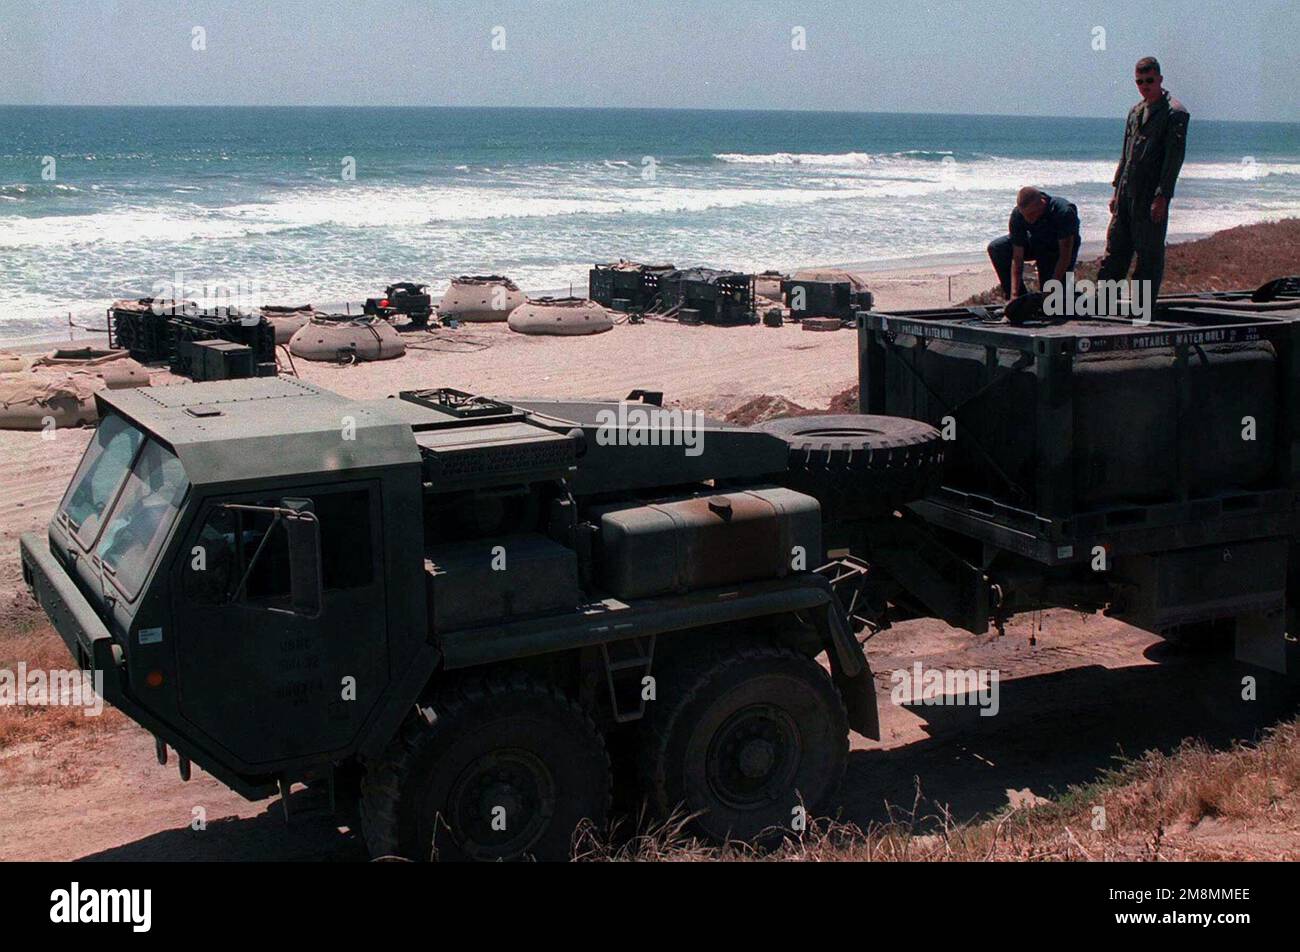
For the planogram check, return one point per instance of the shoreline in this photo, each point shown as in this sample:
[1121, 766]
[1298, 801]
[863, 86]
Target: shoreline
[915, 281]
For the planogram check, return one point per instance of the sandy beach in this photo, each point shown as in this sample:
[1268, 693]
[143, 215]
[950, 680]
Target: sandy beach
[898, 284]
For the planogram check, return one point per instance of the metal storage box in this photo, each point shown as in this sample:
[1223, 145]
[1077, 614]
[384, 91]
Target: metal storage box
[637, 284]
[1097, 429]
[1168, 589]
[474, 583]
[228, 324]
[716, 297]
[823, 298]
[704, 541]
[142, 328]
[218, 360]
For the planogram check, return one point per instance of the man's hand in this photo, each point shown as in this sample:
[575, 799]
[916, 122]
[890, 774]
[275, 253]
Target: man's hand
[1064, 252]
[1159, 209]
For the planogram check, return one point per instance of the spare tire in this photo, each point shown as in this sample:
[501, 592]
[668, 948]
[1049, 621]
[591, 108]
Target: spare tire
[858, 464]
[1277, 288]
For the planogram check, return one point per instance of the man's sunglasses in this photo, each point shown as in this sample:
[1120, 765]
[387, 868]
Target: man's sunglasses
[1144, 81]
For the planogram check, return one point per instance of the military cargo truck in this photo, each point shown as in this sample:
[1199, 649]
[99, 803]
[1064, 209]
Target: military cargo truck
[491, 615]
[467, 604]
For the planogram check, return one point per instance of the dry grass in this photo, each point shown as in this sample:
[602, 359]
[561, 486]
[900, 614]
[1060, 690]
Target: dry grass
[1194, 804]
[763, 408]
[36, 644]
[766, 407]
[1235, 259]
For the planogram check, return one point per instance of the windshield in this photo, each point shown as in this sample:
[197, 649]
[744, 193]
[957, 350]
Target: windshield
[99, 476]
[143, 516]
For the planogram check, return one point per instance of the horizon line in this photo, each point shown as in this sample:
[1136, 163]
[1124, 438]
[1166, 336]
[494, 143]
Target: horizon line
[753, 109]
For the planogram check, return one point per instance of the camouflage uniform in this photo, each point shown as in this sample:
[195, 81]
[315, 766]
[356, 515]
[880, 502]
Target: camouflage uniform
[1154, 147]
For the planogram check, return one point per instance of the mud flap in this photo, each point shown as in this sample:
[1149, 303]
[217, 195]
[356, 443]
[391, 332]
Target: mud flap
[859, 694]
[849, 668]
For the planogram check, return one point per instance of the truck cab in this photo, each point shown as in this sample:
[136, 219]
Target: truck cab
[235, 569]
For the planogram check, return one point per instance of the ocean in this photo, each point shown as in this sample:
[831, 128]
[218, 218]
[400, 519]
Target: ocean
[260, 200]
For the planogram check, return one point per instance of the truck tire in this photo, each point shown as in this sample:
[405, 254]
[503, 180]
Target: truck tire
[740, 738]
[502, 747]
[859, 464]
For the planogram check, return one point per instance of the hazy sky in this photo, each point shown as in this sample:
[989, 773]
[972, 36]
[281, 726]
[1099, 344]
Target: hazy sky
[1225, 60]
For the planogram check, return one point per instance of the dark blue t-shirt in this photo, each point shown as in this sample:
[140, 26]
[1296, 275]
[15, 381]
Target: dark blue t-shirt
[1059, 221]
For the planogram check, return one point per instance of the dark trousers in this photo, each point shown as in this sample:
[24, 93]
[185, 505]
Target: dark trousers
[1133, 232]
[1045, 256]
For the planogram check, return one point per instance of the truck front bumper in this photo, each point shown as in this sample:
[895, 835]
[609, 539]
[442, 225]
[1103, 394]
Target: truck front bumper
[73, 617]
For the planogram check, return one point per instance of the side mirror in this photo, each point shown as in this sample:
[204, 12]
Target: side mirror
[302, 540]
[305, 575]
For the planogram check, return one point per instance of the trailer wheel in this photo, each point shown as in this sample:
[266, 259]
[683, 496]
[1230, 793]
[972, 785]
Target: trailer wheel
[509, 769]
[742, 739]
[860, 464]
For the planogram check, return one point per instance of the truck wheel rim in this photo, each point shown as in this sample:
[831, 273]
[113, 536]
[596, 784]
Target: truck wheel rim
[753, 757]
[505, 787]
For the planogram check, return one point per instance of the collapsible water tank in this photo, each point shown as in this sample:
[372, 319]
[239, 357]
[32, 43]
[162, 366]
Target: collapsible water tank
[344, 340]
[287, 320]
[480, 298]
[562, 316]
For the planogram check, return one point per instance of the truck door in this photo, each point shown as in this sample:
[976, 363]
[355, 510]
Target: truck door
[265, 682]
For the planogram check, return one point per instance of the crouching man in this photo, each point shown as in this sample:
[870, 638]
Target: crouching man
[1044, 230]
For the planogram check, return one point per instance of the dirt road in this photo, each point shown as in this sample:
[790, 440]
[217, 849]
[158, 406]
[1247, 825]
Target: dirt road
[1090, 690]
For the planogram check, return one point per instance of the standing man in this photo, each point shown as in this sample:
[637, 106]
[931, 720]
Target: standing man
[1155, 141]
[1042, 229]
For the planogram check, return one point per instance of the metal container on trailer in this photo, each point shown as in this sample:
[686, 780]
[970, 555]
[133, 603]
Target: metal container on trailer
[1063, 431]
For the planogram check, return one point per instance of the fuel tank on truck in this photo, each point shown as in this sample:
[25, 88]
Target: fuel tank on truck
[706, 540]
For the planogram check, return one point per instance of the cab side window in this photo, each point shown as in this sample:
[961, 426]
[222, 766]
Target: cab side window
[235, 546]
[345, 539]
